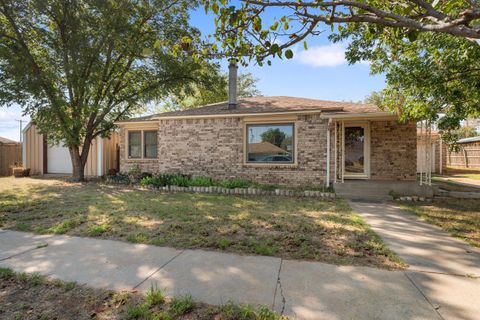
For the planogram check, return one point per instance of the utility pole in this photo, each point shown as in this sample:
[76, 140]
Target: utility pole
[21, 128]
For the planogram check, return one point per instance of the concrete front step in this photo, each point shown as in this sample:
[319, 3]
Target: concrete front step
[362, 189]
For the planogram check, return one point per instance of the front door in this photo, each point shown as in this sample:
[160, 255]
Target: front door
[356, 151]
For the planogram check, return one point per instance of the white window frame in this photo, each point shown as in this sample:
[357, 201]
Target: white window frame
[266, 123]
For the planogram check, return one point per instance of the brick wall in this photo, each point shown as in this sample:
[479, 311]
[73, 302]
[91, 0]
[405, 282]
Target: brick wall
[393, 150]
[214, 147]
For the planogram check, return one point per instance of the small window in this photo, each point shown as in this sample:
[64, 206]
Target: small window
[150, 144]
[270, 143]
[134, 144]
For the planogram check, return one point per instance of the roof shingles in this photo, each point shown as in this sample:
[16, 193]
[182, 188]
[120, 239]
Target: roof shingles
[260, 105]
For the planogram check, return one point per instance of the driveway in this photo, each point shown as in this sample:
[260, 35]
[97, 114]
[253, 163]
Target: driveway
[444, 269]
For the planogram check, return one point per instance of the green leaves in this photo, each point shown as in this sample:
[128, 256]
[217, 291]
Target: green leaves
[289, 54]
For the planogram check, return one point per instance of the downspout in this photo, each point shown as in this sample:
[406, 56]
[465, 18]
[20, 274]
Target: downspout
[336, 153]
[328, 153]
[343, 151]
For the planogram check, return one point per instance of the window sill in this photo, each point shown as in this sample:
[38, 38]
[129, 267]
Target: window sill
[142, 159]
[270, 165]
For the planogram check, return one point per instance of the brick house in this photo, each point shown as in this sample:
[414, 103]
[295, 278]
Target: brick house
[275, 140]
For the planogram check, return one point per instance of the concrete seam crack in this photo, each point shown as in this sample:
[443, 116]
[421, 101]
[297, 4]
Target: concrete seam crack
[160, 268]
[279, 286]
[39, 246]
[424, 296]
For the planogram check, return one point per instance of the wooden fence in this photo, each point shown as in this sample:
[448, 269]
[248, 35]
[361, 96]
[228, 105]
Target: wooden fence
[10, 154]
[467, 157]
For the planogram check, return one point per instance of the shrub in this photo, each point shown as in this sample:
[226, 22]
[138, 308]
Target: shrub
[181, 181]
[202, 182]
[119, 178]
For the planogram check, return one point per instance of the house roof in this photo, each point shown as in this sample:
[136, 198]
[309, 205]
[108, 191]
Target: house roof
[260, 105]
[7, 141]
[466, 140]
[264, 147]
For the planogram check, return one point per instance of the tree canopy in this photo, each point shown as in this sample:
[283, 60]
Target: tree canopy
[426, 76]
[77, 66]
[246, 28]
[208, 92]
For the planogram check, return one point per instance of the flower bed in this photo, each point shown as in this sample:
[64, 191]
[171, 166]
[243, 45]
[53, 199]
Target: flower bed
[183, 183]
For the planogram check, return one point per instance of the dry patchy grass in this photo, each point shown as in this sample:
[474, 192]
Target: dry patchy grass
[459, 217]
[30, 296]
[292, 228]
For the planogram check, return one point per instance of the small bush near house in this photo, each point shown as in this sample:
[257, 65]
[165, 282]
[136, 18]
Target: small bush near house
[202, 182]
[180, 181]
[119, 178]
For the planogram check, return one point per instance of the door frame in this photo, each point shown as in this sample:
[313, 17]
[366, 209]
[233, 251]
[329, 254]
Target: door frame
[366, 150]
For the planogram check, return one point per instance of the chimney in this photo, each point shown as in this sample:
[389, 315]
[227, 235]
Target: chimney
[232, 84]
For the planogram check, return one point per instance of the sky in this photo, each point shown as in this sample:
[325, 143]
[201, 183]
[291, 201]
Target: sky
[321, 72]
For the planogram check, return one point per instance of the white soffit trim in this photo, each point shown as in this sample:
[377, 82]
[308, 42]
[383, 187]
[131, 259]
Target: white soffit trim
[353, 116]
[238, 115]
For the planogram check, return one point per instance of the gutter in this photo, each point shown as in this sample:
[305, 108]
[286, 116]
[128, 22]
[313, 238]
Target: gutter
[363, 115]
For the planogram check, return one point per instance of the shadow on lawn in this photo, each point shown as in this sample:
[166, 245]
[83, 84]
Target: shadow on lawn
[285, 227]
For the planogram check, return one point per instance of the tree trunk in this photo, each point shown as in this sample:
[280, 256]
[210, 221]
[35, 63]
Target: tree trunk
[78, 164]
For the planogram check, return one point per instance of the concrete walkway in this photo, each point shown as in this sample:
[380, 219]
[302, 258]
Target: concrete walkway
[446, 270]
[305, 290]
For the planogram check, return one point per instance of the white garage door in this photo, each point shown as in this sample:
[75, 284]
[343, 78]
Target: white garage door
[58, 160]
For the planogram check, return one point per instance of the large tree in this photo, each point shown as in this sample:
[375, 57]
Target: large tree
[263, 28]
[77, 66]
[207, 92]
[427, 75]
[429, 50]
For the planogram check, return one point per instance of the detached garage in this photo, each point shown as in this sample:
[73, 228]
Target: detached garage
[43, 158]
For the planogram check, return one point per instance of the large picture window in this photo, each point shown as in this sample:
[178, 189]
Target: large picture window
[134, 144]
[270, 143]
[150, 144]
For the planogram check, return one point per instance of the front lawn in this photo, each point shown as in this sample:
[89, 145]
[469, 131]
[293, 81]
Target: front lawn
[31, 296]
[294, 228]
[460, 217]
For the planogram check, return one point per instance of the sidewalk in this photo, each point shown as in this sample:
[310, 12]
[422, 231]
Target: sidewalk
[445, 269]
[306, 290]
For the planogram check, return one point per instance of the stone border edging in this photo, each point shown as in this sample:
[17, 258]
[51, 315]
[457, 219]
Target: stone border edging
[244, 191]
[414, 199]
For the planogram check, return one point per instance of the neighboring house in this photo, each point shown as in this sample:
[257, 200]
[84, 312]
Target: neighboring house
[468, 155]
[10, 155]
[320, 142]
[42, 157]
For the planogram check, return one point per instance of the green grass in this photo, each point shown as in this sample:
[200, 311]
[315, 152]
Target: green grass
[292, 228]
[459, 217]
[182, 305]
[30, 296]
[154, 297]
